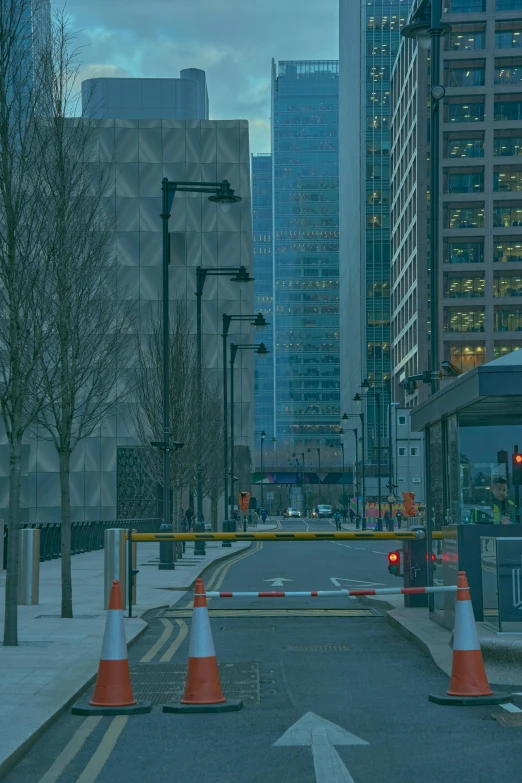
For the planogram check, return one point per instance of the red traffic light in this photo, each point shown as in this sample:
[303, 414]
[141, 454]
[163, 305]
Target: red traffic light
[393, 557]
[517, 458]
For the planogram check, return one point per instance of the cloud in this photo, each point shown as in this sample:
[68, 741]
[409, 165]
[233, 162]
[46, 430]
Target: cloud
[232, 40]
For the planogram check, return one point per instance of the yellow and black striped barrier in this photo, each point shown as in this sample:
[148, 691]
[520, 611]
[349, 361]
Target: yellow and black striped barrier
[273, 536]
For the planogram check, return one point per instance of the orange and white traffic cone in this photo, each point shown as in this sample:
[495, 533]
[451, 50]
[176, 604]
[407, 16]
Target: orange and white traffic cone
[202, 687]
[469, 683]
[113, 689]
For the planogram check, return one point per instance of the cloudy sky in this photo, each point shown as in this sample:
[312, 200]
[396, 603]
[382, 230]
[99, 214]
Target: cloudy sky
[232, 40]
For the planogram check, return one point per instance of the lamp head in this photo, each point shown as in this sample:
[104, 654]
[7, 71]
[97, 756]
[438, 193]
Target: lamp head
[260, 322]
[224, 197]
[263, 435]
[365, 384]
[357, 397]
[262, 350]
[242, 276]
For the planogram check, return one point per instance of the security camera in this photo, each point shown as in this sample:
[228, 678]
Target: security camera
[450, 369]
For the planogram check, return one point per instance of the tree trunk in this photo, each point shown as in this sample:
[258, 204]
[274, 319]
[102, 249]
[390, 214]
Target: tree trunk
[65, 497]
[13, 543]
[214, 512]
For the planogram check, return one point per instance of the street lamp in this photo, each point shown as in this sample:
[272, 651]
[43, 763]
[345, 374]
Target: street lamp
[259, 323]
[358, 398]
[427, 29]
[261, 350]
[360, 415]
[341, 434]
[263, 436]
[223, 195]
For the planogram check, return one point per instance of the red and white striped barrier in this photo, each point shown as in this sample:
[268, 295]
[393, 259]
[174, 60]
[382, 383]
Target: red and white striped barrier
[329, 593]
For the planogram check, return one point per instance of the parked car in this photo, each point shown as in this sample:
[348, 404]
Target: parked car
[324, 512]
[292, 512]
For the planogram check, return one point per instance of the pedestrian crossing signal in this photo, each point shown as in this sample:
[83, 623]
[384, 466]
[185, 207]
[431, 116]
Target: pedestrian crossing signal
[394, 562]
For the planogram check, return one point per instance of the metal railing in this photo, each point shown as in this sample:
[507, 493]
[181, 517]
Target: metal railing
[85, 536]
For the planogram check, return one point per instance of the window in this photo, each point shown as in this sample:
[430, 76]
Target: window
[507, 178]
[508, 108]
[465, 355]
[507, 214]
[508, 319]
[507, 249]
[508, 71]
[508, 5]
[508, 35]
[464, 145]
[464, 252]
[466, 37]
[463, 286]
[464, 319]
[507, 284]
[464, 215]
[378, 290]
[414, 451]
[507, 143]
[464, 73]
[465, 180]
[501, 348]
[466, 6]
[401, 451]
[464, 109]
[402, 419]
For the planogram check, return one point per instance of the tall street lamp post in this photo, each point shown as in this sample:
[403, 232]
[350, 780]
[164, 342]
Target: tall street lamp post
[358, 397]
[427, 29]
[341, 435]
[259, 323]
[240, 276]
[347, 416]
[263, 436]
[261, 350]
[222, 194]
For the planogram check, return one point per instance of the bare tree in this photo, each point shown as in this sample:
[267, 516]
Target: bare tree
[83, 365]
[183, 414]
[23, 318]
[213, 466]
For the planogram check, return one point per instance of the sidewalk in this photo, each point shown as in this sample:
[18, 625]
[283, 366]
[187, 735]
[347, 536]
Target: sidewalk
[57, 659]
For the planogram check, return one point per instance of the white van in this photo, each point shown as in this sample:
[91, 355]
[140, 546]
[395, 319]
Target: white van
[324, 512]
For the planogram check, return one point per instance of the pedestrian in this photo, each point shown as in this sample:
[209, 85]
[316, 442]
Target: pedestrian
[399, 519]
[189, 514]
[337, 520]
[255, 518]
[387, 520]
[263, 515]
[352, 515]
[345, 514]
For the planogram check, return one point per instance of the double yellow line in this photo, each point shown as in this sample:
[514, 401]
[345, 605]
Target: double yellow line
[110, 739]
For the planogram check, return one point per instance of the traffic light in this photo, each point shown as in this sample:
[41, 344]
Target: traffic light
[516, 468]
[394, 562]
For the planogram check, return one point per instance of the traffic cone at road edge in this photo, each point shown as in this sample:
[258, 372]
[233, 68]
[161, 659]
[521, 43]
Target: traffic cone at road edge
[202, 687]
[113, 691]
[469, 683]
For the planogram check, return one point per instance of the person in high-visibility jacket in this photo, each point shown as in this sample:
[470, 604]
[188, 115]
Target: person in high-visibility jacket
[504, 510]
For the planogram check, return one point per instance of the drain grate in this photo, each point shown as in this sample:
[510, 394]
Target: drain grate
[164, 682]
[508, 719]
[275, 613]
[317, 648]
[247, 628]
[76, 616]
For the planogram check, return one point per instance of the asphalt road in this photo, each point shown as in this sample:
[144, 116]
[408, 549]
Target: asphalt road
[353, 671]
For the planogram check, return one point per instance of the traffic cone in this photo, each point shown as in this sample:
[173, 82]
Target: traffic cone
[469, 683]
[113, 690]
[202, 687]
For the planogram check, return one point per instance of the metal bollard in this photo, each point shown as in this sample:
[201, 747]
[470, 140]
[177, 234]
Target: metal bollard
[29, 567]
[199, 546]
[227, 528]
[166, 551]
[363, 523]
[115, 566]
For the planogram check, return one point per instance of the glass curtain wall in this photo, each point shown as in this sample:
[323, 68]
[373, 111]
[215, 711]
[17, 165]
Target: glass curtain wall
[263, 291]
[306, 251]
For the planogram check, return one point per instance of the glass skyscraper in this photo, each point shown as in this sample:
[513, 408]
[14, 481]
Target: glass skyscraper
[263, 292]
[306, 253]
[369, 37]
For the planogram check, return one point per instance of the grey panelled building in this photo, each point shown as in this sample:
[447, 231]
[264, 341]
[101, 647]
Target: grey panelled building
[480, 263]
[141, 152]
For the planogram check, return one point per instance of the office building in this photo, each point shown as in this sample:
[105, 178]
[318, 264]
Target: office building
[480, 261]
[369, 38]
[306, 253]
[185, 98]
[107, 478]
[264, 391]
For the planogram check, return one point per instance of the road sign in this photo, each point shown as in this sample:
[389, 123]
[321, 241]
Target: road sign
[269, 495]
[321, 735]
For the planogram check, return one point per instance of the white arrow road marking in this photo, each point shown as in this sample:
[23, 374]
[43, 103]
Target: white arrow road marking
[355, 582]
[278, 581]
[322, 735]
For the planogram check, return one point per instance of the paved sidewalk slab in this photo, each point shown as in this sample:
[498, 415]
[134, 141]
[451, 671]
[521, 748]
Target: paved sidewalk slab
[57, 659]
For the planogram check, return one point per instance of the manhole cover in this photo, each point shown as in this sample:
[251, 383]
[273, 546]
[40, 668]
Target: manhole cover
[317, 648]
[247, 628]
[275, 613]
[164, 682]
[508, 719]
